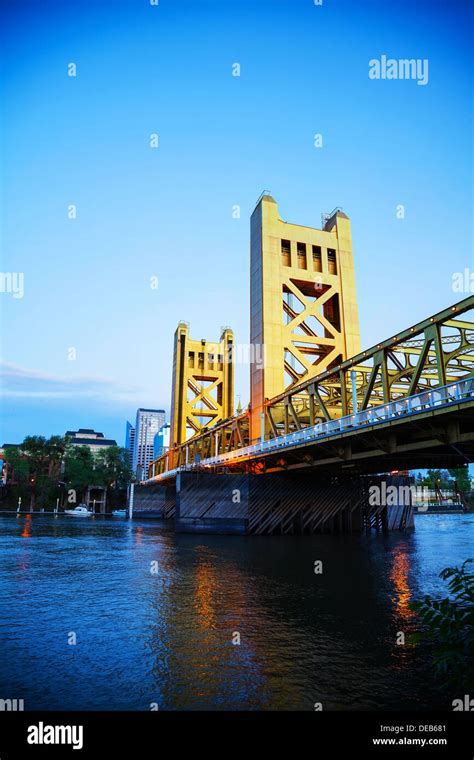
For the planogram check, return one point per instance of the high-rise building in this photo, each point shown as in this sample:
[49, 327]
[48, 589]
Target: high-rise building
[147, 425]
[130, 441]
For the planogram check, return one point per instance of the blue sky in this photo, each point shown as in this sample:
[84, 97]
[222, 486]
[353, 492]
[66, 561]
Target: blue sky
[167, 212]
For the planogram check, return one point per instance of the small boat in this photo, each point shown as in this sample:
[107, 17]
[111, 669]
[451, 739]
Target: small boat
[119, 512]
[80, 511]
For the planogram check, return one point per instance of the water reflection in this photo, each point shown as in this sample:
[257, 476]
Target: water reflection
[399, 575]
[206, 593]
[26, 532]
[166, 637]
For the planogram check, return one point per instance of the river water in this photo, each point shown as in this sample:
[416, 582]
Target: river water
[156, 617]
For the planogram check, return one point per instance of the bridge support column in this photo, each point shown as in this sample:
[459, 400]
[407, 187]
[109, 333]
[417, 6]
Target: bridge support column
[208, 503]
[388, 503]
[284, 503]
[154, 501]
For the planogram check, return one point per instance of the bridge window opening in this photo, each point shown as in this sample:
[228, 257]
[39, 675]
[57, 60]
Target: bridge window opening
[294, 370]
[307, 288]
[210, 358]
[331, 312]
[317, 260]
[332, 263]
[286, 253]
[220, 360]
[301, 253]
[292, 305]
[312, 326]
[200, 360]
[191, 360]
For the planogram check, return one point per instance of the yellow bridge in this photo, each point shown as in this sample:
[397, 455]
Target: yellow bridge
[318, 404]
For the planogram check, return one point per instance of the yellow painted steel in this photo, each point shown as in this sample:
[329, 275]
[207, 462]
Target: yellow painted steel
[202, 384]
[304, 313]
[434, 352]
[305, 333]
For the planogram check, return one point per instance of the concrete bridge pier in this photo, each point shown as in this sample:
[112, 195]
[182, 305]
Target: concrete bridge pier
[288, 503]
[156, 501]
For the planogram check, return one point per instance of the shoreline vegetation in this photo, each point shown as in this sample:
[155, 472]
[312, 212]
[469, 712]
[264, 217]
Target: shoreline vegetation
[47, 472]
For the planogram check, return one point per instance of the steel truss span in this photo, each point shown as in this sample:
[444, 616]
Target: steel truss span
[425, 370]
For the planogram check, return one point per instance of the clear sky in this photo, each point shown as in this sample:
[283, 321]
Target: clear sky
[167, 212]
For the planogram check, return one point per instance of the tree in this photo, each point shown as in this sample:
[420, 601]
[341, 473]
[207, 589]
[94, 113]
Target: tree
[449, 624]
[437, 479]
[40, 466]
[80, 470]
[36, 465]
[461, 478]
[109, 468]
[114, 466]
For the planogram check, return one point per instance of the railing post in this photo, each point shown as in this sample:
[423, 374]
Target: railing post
[354, 392]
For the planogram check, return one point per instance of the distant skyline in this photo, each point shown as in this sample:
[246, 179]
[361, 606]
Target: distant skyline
[155, 240]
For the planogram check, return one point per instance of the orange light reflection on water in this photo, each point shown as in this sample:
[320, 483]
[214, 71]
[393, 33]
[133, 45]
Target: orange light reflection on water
[399, 576]
[138, 536]
[206, 587]
[26, 532]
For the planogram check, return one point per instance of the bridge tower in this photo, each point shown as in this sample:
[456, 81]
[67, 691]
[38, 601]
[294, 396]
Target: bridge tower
[203, 383]
[303, 314]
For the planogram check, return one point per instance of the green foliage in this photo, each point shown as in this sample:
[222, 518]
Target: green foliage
[109, 467]
[38, 465]
[447, 479]
[79, 470]
[18, 465]
[114, 465]
[461, 476]
[449, 624]
[437, 479]
[35, 465]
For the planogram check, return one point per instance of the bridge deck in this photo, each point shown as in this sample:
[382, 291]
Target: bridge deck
[395, 434]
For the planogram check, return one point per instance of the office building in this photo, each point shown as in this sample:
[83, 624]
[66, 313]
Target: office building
[130, 441]
[161, 441]
[147, 425]
[88, 437]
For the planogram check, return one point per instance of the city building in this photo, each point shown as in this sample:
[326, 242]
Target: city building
[88, 437]
[130, 441]
[147, 425]
[161, 442]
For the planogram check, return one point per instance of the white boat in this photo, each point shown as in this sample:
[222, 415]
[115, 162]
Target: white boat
[119, 512]
[80, 511]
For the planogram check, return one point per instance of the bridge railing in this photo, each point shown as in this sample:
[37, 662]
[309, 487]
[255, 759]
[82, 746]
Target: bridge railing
[408, 406]
[395, 410]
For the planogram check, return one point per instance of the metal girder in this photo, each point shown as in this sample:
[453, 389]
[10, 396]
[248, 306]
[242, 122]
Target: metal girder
[434, 352]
